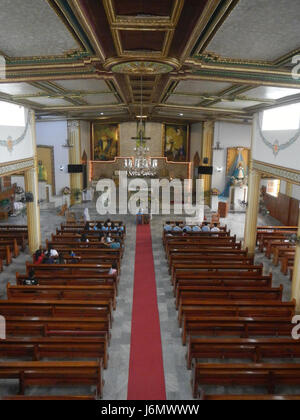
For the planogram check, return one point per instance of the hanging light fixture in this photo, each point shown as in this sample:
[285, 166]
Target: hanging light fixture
[141, 165]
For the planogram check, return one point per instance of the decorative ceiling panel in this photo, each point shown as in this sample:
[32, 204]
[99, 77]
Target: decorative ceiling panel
[34, 30]
[183, 100]
[100, 99]
[89, 85]
[201, 87]
[139, 7]
[236, 104]
[19, 89]
[259, 30]
[265, 92]
[142, 40]
[50, 101]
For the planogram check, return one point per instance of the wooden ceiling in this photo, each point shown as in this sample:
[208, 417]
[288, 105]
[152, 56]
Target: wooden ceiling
[174, 46]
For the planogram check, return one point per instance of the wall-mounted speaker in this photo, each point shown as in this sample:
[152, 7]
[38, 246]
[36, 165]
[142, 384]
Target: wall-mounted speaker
[205, 161]
[205, 170]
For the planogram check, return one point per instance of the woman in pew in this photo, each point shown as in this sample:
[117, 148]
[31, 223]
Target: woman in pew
[39, 256]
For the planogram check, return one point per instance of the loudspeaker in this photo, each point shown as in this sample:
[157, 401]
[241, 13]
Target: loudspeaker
[75, 169]
[205, 161]
[205, 170]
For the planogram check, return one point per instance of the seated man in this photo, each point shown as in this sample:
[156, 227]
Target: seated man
[116, 244]
[205, 227]
[187, 229]
[168, 227]
[196, 229]
[215, 228]
[177, 228]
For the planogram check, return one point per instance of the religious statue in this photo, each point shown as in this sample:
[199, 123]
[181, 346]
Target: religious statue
[239, 176]
[42, 171]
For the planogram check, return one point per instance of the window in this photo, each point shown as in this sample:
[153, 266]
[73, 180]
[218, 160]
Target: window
[273, 187]
[283, 118]
[12, 115]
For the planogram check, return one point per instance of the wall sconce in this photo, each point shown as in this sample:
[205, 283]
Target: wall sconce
[219, 169]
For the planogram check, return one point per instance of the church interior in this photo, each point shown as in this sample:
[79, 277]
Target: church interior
[110, 298]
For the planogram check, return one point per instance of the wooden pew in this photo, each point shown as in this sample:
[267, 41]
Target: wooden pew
[47, 279]
[230, 293]
[83, 269]
[280, 252]
[20, 238]
[242, 308]
[54, 374]
[255, 282]
[58, 308]
[222, 279]
[242, 327]
[12, 244]
[230, 268]
[63, 292]
[26, 326]
[5, 254]
[248, 397]
[48, 398]
[273, 244]
[236, 348]
[287, 263]
[256, 375]
[38, 348]
[80, 245]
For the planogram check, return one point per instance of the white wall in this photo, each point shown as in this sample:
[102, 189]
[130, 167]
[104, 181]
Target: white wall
[55, 134]
[287, 158]
[196, 140]
[19, 151]
[229, 135]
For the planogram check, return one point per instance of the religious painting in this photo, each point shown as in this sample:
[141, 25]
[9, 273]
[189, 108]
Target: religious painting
[105, 141]
[176, 142]
[46, 171]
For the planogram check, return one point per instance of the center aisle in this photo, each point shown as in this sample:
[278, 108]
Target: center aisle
[146, 370]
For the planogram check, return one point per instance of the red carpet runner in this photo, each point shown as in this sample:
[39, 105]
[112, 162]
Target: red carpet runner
[146, 370]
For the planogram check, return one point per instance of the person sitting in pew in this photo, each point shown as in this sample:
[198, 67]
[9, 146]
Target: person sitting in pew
[53, 253]
[48, 259]
[105, 227]
[74, 259]
[177, 228]
[39, 257]
[196, 229]
[187, 229]
[215, 228]
[121, 227]
[115, 244]
[114, 270]
[205, 228]
[84, 239]
[168, 227]
[113, 228]
[87, 227]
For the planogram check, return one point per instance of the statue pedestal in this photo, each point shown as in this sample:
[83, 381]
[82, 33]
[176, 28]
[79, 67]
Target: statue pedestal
[237, 195]
[214, 203]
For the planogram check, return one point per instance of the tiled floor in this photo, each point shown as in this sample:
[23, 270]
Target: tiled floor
[116, 377]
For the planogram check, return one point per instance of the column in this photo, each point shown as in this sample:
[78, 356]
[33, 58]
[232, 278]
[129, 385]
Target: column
[252, 212]
[75, 159]
[33, 210]
[207, 152]
[289, 189]
[296, 274]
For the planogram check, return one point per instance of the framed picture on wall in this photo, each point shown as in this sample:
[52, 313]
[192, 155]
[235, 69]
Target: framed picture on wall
[176, 142]
[105, 141]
